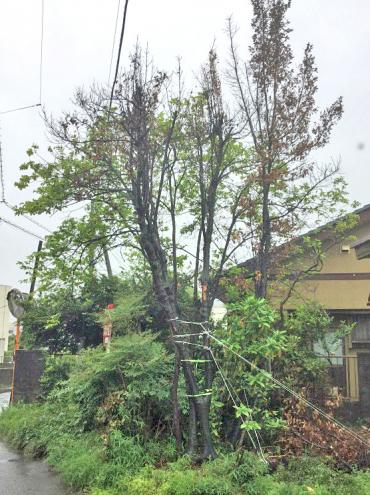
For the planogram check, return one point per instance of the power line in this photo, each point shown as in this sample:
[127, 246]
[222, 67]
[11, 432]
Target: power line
[257, 447]
[114, 41]
[2, 180]
[27, 217]
[229, 387]
[20, 108]
[119, 54]
[5, 202]
[288, 389]
[41, 48]
[2, 176]
[17, 109]
[18, 227]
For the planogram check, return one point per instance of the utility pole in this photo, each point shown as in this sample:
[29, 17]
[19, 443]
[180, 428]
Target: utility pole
[107, 263]
[35, 267]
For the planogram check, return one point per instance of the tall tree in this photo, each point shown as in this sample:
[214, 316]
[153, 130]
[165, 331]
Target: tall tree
[277, 103]
[155, 153]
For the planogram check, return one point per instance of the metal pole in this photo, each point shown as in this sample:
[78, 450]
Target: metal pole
[36, 265]
[17, 336]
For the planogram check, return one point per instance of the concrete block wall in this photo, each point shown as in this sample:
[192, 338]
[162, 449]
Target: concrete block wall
[29, 367]
[6, 376]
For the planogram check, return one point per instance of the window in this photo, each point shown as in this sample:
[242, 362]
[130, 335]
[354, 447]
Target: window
[331, 348]
[361, 332]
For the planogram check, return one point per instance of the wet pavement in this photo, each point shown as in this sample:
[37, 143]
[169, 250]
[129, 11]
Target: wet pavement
[22, 476]
[4, 400]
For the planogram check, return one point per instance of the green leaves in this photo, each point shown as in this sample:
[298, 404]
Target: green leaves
[243, 410]
[52, 321]
[250, 425]
[245, 414]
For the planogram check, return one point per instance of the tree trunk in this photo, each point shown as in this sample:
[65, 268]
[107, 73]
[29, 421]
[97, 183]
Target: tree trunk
[164, 292]
[263, 256]
[193, 430]
[176, 422]
[203, 405]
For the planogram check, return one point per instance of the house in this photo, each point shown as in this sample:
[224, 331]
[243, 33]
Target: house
[4, 320]
[341, 284]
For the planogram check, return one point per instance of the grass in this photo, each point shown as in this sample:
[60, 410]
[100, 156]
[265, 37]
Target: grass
[100, 426]
[120, 465]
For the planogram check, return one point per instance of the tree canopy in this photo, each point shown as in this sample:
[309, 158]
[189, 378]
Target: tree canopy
[190, 183]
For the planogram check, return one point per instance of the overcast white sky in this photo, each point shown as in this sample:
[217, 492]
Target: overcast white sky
[77, 47]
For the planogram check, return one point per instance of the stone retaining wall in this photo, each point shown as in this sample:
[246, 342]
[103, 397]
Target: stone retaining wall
[6, 376]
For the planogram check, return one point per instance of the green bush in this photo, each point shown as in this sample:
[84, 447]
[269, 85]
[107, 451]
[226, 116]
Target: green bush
[115, 464]
[98, 427]
[181, 478]
[249, 468]
[111, 404]
[57, 371]
[308, 470]
[127, 389]
[174, 480]
[226, 476]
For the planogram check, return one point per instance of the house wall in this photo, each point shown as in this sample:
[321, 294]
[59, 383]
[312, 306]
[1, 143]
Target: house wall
[342, 284]
[4, 320]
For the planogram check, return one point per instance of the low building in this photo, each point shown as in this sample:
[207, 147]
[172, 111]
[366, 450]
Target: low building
[4, 320]
[341, 284]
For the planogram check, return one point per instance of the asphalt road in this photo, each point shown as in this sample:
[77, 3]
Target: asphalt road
[4, 400]
[19, 476]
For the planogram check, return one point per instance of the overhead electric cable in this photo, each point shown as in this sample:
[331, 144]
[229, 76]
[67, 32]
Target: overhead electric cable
[229, 387]
[288, 389]
[41, 49]
[119, 54]
[2, 176]
[5, 202]
[20, 108]
[257, 447]
[17, 109]
[30, 219]
[114, 41]
[18, 227]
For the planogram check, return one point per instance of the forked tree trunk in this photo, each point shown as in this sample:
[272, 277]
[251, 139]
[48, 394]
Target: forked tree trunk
[164, 292]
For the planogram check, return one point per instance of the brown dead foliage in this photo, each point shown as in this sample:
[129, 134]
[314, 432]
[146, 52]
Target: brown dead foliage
[308, 431]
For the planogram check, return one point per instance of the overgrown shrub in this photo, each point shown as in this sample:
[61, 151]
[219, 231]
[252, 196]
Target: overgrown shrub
[121, 465]
[127, 389]
[98, 410]
[57, 371]
[102, 428]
